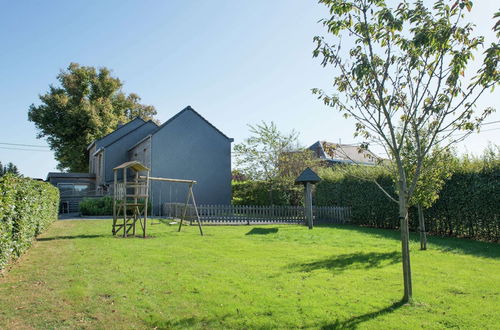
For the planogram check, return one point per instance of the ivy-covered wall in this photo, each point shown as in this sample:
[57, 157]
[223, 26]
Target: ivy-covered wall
[27, 207]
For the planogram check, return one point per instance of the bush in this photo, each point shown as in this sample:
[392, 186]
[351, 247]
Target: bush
[97, 206]
[27, 207]
[467, 206]
[257, 193]
[101, 206]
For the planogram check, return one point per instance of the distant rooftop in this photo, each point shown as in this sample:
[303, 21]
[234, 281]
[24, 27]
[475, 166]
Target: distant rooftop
[344, 153]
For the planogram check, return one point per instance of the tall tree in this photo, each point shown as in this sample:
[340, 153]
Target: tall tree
[405, 75]
[272, 156]
[88, 104]
[9, 168]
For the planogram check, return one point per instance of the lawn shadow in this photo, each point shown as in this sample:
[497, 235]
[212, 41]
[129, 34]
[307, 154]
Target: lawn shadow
[262, 231]
[353, 322]
[445, 244]
[358, 260]
[54, 238]
[187, 323]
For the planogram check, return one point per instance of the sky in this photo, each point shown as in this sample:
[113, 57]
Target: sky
[235, 62]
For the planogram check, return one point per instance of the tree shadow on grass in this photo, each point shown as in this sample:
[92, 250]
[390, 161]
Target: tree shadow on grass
[262, 231]
[358, 260]
[54, 238]
[188, 323]
[353, 322]
[445, 244]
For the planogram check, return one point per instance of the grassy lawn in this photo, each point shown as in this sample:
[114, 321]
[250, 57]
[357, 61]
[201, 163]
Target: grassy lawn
[78, 275]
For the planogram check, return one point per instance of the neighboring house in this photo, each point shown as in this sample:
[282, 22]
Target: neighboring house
[72, 187]
[186, 146]
[335, 153]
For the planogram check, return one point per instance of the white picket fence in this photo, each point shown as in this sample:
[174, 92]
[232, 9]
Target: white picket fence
[255, 214]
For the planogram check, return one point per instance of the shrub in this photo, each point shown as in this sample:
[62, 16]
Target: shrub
[27, 207]
[101, 206]
[257, 193]
[97, 206]
[467, 206]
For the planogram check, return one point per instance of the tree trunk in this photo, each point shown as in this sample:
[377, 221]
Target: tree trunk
[405, 244]
[421, 225]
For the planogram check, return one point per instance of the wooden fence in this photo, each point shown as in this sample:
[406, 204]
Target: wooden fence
[254, 214]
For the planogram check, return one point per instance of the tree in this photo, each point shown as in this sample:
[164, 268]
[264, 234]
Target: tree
[437, 167]
[88, 104]
[9, 168]
[406, 76]
[271, 156]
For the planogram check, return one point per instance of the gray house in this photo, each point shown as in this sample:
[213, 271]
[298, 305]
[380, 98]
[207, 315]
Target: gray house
[186, 146]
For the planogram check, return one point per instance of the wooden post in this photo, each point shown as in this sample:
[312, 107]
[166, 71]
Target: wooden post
[125, 202]
[308, 204]
[195, 208]
[114, 202]
[423, 235]
[146, 200]
[185, 206]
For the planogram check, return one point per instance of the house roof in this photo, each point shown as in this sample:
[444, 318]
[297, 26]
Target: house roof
[69, 175]
[135, 165]
[135, 129]
[308, 175]
[188, 108]
[344, 153]
[116, 132]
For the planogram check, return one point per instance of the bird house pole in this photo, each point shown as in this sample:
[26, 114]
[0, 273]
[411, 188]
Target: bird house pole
[308, 204]
[308, 178]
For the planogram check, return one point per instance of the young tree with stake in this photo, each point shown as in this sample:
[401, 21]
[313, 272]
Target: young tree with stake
[404, 77]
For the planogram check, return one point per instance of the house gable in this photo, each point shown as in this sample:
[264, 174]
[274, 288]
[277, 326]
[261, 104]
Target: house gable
[189, 147]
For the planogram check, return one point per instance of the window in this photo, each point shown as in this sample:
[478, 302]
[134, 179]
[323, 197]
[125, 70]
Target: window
[70, 189]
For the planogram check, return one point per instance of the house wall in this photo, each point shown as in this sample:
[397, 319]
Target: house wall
[116, 153]
[141, 153]
[190, 148]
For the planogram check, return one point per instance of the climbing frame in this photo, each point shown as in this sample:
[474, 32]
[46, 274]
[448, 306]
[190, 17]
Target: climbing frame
[130, 198]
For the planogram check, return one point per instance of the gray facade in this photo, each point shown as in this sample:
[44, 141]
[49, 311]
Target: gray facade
[189, 147]
[115, 153]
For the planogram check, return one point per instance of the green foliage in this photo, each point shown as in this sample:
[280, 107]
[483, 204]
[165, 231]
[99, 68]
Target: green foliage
[467, 205]
[97, 206]
[406, 78]
[354, 186]
[257, 193]
[9, 168]
[258, 157]
[86, 106]
[273, 161]
[27, 207]
[102, 206]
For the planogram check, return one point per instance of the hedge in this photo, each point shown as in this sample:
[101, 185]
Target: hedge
[467, 206]
[101, 206]
[27, 208]
[257, 193]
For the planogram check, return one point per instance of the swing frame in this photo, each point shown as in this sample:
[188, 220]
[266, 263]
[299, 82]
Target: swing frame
[190, 195]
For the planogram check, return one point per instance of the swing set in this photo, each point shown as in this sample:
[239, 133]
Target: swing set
[130, 199]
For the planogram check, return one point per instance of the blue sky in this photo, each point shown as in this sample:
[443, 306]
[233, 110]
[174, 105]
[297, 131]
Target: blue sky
[236, 62]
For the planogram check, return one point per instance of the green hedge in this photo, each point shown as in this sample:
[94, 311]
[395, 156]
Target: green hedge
[27, 207]
[467, 206]
[101, 206]
[97, 206]
[257, 193]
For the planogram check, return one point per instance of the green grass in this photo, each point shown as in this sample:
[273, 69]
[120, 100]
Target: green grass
[78, 275]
